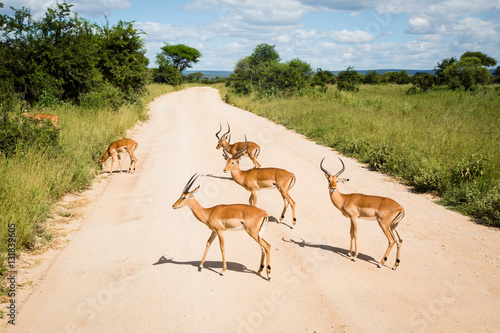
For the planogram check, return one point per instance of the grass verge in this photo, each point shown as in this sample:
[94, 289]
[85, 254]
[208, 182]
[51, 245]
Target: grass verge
[443, 142]
[34, 179]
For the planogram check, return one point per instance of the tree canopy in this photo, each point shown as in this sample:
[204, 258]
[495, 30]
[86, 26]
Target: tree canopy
[180, 56]
[63, 57]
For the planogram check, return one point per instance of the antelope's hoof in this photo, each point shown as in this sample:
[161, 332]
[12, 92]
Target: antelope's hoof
[349, 254]
[353, 259]
[394, 268]
[221, 274]
[379, 265]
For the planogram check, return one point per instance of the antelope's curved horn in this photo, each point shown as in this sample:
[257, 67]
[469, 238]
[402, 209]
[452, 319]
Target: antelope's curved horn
[241, 152]
[341, 170]
[224, 151]
[228, 130]
[190, 183]
[220, 129]
[323, 169]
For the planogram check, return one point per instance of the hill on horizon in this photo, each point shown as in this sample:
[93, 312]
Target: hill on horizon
[224, 74]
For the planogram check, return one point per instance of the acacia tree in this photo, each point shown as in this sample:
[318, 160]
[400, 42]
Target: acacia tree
[180, 56]
[483, 58]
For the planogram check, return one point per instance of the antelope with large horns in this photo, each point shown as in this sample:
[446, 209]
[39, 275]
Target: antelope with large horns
[257, 178]
[228, 217]
[252, 150]
[386, 211]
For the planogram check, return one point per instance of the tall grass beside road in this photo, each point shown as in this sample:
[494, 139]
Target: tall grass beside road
[443, 142]
[33, 179]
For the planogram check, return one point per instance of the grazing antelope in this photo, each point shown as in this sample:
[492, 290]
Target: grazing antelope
[115, 149]
[255, 179]
[355, 205]
[252, 150]
[228, 217]
[41, 116]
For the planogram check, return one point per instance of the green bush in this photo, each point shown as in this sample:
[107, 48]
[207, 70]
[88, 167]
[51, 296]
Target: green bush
[348, 80]
[18, 133]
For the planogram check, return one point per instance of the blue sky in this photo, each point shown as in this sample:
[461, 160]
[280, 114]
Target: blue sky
[327, 34]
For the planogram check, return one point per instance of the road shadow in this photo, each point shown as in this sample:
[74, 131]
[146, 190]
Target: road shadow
[210, 266]
[274, 219]
[337, 250]
[218, 177]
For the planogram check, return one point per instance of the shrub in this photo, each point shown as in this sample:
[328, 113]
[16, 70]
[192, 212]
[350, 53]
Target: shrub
[348, 80]
[429, 175]
[18, 133]
[423, 81]
[469, 169]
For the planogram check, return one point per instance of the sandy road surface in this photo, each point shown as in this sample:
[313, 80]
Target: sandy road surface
[132, 267]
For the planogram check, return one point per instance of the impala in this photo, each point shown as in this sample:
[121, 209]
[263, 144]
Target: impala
[255, 179]
[252, 149]
[42, 116]
[115, 149]
[386, 211]
[228, 217]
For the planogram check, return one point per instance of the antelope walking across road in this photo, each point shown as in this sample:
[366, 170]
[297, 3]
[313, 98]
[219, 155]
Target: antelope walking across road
[356, 205]
[252, 150]
[228, 217]
[255, 179]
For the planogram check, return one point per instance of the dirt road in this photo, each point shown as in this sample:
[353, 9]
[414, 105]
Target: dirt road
[132, 266]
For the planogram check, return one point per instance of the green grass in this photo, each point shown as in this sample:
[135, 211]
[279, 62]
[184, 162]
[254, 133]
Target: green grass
[33, 180]
[444, 142]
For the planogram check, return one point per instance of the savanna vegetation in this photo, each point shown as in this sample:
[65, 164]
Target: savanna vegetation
[93, 78]
[440, 134]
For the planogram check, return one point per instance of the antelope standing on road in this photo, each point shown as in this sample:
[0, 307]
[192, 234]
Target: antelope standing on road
[228, 217]
[115, 149]
[252, 150]
[355, 205]
[255, 179]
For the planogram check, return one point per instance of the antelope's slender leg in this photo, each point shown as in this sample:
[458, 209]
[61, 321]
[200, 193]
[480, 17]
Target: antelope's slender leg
[220, 233]
[113, 157]
[209, 242]
[391, 240]
[119, 162]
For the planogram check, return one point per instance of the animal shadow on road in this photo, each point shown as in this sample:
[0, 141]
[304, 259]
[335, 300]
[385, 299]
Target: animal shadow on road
[218, 177]
[274, 219]
[209, 265]
[337, 250]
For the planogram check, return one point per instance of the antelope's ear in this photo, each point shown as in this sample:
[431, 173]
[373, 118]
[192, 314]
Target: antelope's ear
[190, 194]
[342, 180]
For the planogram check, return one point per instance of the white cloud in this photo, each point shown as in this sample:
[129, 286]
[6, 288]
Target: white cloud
[94, 8]
[167, 32]
[418, 25]
[346, 36]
